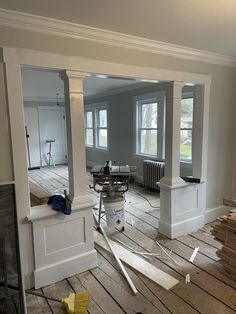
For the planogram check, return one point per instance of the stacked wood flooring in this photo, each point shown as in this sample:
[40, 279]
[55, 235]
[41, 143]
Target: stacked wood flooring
[225, 232]
[211, 290]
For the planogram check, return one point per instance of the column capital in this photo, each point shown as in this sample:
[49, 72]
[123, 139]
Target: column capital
[73, 81]
[69, 74]
[174, 90]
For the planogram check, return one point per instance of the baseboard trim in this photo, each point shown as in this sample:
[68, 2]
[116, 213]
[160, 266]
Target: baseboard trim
[181, 228]
[213, 213]
[58, 271]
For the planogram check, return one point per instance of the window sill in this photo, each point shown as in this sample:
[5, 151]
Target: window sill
[45, 211]
[105, 150]
[141, 156]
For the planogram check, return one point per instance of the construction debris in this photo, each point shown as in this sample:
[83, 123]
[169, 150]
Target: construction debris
[109, 243]
[168, 254]
[194, 254]
[187, 278]
[225, 232]
[146, 269]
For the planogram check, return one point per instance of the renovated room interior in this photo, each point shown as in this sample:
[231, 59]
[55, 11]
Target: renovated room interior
[79, 89]
[44, 114]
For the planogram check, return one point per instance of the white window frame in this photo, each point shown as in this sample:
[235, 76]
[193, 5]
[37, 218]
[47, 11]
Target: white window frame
[158, 97]
[88, 128]
[95, 108]
[187, 95]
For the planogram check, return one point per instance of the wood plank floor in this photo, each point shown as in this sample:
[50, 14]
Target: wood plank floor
[211, 289]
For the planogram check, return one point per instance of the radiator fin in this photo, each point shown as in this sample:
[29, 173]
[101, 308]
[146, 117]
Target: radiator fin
[153, 171]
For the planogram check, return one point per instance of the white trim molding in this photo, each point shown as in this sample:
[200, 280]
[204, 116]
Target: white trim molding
[66, 29]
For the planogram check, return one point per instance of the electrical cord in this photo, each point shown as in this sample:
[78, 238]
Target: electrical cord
[156, 207]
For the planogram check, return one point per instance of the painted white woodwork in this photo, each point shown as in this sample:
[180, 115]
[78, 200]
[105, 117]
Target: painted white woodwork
[75, 134]
[200, 131]
[172, 134]
[14, 57]
[66, 29]
[141, 265]
[56, 61]
[52, 127]
[183, 204]
[182, 208]
[32, 124]
[19, 155]
[63, 245]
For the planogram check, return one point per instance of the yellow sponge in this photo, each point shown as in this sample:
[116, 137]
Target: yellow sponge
[77, 303]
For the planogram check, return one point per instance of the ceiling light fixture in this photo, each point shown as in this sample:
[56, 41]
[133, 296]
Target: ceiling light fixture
[149, 81]
[101, 75]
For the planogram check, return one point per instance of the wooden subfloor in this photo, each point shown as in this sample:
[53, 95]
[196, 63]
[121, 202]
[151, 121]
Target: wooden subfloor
[211, 289]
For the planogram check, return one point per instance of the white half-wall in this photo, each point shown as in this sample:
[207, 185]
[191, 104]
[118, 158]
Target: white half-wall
[63, 245]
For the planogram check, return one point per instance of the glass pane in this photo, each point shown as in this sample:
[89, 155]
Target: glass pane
[102, 138]
[89, 137]
[186, 144]
[187, 113]
[102, 116]
[149, 115]
[148, 143]
[89, 119]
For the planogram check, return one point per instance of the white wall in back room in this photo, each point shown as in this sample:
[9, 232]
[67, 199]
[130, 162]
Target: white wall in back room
[32, 125]
[44, 123]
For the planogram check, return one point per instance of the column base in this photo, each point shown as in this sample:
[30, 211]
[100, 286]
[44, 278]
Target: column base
[182, 208]
[55, 272]
[181, 228]
[63, 244]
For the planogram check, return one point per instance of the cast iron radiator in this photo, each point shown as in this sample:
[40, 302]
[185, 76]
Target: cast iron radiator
[153, 171]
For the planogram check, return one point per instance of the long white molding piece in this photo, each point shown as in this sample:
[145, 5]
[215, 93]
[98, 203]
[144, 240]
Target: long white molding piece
[153, 273]
[51, 26]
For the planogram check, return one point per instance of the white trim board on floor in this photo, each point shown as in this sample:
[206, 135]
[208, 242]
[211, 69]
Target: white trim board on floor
[153, 273]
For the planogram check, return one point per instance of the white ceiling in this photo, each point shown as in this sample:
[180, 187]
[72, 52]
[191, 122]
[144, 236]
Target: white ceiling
[200, 24]
[44, 85]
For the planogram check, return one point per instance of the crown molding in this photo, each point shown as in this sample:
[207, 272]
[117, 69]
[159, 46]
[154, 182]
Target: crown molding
[51, 26]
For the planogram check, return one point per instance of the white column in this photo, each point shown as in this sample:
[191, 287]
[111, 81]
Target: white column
[75, 134]
[181, 203]
[172, 134]
[63, 244]
[200, 131]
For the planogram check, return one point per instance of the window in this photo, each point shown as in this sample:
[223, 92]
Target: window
[186, 129]
[149, 124]
[148, 128]
[89, 128]
[102, 128]
[96, 133]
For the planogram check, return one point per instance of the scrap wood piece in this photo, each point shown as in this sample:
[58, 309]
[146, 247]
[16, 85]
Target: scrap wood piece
[117, 258]
[145, 268]
[194, 254]
[38, 194]
[187, 278]
[167, 253]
